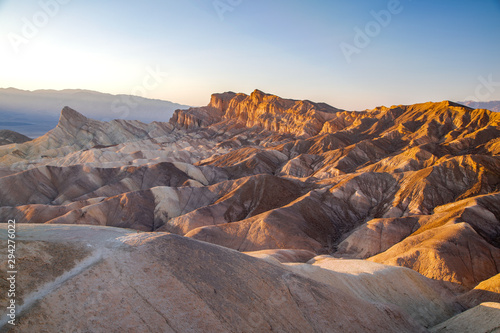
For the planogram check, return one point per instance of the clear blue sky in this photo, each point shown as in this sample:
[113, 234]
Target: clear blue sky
[428, 50]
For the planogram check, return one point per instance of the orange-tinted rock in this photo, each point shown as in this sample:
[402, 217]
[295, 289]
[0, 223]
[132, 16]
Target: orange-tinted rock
[486, 291]
[453, 253]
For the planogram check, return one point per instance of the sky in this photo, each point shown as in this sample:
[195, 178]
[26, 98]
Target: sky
[350, 54]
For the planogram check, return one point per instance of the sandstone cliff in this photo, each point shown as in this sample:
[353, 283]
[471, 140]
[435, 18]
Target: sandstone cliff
[300, 118]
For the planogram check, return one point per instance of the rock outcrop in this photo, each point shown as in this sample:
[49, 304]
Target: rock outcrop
[300, 118]
[8, 137]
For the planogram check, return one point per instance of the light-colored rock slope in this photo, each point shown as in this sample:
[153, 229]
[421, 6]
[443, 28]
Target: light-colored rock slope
[115, 280]
[75, 131]
[407, 289]
[484, 318]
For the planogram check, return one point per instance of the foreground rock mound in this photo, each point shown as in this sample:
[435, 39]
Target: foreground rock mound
[165, 283]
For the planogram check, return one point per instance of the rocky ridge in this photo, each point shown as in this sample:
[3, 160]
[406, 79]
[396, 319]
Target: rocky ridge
[300, 118]
[8, 137]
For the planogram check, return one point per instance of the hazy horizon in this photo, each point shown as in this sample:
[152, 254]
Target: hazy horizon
[216, 92]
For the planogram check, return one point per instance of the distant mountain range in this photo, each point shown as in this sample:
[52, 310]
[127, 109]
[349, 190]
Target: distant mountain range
[491, 105]
[33, 113]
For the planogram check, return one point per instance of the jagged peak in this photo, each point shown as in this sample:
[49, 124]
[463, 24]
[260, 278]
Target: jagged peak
[224, 96]
[70, 116]
[258, 95]
[258, 92]
[71, 113]
[452, 104]
[442, 104]
[220, 101]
